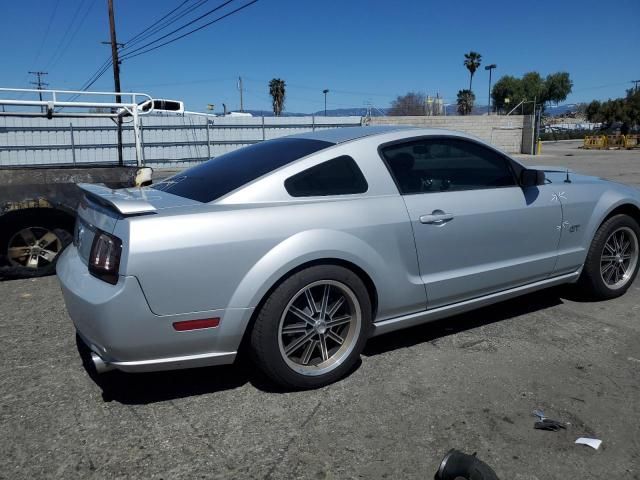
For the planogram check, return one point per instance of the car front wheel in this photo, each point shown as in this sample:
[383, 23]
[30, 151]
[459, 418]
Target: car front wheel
[312, 328]
[612, 261]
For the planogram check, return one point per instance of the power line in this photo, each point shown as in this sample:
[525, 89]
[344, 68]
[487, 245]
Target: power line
[98, 73]
[93, 78]
[105, 65]
[96, 76]
[213, 10]
[129, 55]
[73, 36]
[108, 62]
[595, 87]
[343, 92]
[187, 82]
[157, 21]
[66, 32]
[222, 5]
[46, 32]
[140, 38]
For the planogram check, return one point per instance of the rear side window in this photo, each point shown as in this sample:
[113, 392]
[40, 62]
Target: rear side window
[340, 176]
[221, 175]
[446, 164]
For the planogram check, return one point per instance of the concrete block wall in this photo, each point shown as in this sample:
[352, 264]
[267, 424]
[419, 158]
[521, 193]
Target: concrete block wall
[508, 133]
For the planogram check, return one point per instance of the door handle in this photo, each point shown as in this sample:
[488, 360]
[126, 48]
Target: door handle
[437, 217]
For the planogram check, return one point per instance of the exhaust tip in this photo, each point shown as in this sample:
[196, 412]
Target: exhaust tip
[100, 364]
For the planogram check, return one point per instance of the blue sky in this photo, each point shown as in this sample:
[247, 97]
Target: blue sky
[360, 50]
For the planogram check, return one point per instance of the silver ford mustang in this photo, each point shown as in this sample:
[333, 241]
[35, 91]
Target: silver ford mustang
[303, 247]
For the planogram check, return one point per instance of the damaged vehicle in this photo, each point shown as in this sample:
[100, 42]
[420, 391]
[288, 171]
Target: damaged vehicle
[303, 247]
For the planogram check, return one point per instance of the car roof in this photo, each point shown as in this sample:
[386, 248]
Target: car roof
[346, 134]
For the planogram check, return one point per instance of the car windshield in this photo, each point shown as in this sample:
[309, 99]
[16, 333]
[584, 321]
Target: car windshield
[217, 177]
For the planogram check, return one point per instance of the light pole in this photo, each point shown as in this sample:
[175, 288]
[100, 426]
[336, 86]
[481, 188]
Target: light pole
[490, 68]
[325, 91]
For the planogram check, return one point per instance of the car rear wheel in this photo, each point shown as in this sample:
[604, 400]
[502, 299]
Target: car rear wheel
[612, 262]
[31, 246]
[311, 329]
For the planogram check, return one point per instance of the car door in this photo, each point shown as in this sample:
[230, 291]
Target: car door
[476, 230]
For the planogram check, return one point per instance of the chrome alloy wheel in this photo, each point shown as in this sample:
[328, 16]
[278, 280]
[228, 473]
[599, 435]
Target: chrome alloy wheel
[619, 258]
[33, 247]
[319, 327]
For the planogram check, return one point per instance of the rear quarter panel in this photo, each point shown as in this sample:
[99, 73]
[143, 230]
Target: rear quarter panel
[222, 256]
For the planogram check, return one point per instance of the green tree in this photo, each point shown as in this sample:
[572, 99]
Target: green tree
[593, 111]
[557, 87]
[625, 110]
[533, 87]
[277, 92]
[633, 107]
[472, 61]
[465, 102]
[507, 87]
[554, 88]
[413, 103]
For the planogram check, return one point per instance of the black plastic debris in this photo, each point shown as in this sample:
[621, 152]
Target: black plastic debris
[545, 423]
[456, 465]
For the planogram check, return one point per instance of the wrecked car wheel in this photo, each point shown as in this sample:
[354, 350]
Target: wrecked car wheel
[32, 249]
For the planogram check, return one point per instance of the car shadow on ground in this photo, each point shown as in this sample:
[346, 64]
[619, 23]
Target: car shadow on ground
[438, 329]
[145, 388]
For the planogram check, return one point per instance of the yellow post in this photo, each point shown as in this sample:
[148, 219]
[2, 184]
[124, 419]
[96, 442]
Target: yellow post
[539, 147]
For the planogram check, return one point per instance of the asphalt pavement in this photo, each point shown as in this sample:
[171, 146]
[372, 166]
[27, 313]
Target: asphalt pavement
[469, 382]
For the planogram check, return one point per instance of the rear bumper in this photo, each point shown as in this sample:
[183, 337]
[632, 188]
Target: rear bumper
[116, 323]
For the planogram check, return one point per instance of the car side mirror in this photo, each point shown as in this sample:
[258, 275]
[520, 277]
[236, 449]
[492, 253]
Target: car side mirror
[531, 178]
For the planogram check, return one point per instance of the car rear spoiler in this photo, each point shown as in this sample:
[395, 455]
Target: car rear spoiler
[131, 201]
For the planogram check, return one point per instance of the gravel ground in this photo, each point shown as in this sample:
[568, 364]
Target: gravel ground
[468, 382]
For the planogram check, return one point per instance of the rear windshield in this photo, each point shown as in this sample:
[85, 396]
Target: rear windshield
[221, 175]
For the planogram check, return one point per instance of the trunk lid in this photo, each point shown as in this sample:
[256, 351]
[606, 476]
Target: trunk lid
[101, 208]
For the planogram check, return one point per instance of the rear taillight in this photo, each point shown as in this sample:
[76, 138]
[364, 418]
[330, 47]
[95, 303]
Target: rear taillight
[104, 260]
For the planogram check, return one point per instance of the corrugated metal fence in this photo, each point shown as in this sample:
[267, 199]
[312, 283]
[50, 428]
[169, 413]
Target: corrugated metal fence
[167, 140]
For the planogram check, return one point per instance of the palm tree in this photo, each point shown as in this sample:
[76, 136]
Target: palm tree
[277, 92]
[465, 101]
[472, 61]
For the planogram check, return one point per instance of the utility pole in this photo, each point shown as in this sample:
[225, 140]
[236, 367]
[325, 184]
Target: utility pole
[39, 83]
[240, 88]
[116, 73]
[325, 91]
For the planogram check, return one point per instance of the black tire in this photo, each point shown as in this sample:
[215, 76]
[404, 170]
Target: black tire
[591, 282]
[266, 341]
[9, 269]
